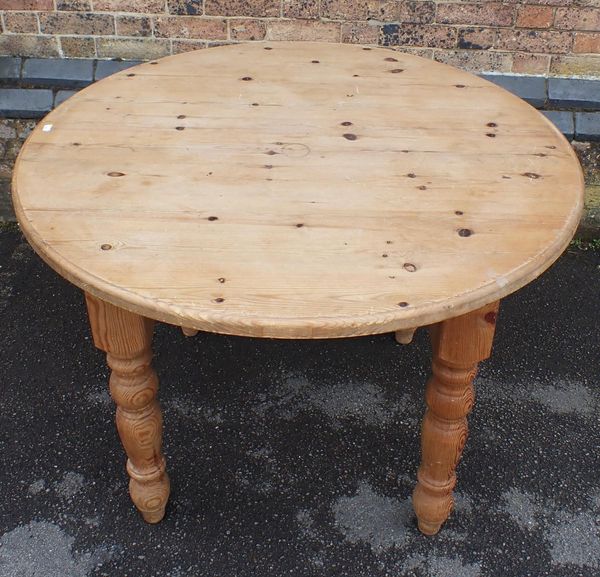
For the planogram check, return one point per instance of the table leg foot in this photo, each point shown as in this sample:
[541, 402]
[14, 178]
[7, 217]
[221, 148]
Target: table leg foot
[429, 528]
[126, 338]
[150, 499]
[153, 517]
[405, 336]
[458, 346]
[189, 332]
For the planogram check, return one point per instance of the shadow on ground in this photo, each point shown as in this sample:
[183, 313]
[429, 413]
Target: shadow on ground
[298, 458]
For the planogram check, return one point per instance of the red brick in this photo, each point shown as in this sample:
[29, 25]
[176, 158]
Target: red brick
[303, 30]
[359, 33]
[247, 29]
[551, 2]
[575, 65]
[578, 19]
[6, 166]
[486, 14]
[134, 26]
[543, 41]
[530, 63]
[26, 5]
[20, 22]
[587, 43]
[190, 27]
[134, 48]
[422, 52]
[304, 9]
[259, 8]
[475, 60]
[28, 45]
[407, 11]
[476, 38]
[349, 9]
[425, 35]
[535, 17]
[76, 23]
[74, 5]
[12, 149]
[185, 7]
[180, 46]
[147, 6]
[78, 47]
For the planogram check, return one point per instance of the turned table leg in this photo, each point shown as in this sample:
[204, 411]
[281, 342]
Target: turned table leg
[126, 338]
[458, 346]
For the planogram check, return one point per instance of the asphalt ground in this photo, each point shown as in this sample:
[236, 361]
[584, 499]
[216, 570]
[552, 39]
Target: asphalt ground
[298, 458]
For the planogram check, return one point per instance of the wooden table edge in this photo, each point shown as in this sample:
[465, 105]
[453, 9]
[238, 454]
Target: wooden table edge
[299, 328]
[306, 328]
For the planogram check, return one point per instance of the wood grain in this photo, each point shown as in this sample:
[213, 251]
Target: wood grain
[458, 346]
[126, 338]
[257, 192]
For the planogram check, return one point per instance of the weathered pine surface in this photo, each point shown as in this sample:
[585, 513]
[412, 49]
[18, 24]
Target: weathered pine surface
[297, 190]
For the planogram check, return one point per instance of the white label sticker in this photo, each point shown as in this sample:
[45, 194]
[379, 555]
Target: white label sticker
[47, 128]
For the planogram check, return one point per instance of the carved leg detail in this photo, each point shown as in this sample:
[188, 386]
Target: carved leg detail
[449, 396]
[126, 338]
[133, 386]
[458, 345]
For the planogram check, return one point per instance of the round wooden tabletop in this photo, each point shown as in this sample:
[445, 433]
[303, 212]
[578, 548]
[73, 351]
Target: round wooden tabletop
[297, 190]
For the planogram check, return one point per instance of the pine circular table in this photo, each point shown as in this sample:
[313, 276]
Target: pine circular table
[297, 190]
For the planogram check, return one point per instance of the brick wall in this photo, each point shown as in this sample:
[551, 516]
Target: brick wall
[13, 133]
[558, 37]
